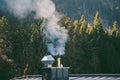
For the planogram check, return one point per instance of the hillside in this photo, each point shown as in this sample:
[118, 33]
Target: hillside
[108, 9]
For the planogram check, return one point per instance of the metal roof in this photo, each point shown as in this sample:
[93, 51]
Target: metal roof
[94, 78]
[76, 77]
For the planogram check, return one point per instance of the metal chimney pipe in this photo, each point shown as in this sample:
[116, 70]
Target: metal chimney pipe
[59, 61]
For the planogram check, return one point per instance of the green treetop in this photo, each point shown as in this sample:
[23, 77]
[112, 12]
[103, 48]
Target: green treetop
[97, 21]
[89, 29]
[83, 25]
[115, 29]
[97, 24]
[76, 26]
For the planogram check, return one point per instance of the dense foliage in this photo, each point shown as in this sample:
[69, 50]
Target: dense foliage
[90, 49]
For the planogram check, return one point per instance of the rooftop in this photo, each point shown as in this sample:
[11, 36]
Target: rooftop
[76, 77]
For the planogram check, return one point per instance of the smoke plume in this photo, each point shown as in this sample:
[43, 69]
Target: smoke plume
[54, 35]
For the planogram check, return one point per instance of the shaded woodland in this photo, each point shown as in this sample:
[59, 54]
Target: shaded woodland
[91, 48]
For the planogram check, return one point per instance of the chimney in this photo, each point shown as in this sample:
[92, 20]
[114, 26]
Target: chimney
[53, 73]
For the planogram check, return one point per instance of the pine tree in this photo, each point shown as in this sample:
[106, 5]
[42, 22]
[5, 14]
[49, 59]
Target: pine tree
[98, 31]
[97, 38]
[83, 25]
[76, 26]
[6, 63]
[97, 20]
[97, 24]
[115, 30]
[81, 19]
[89, 29]
[115, 41]
[4, 42]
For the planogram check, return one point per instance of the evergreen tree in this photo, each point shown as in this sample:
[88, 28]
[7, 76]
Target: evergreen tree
[97, 40]
[6, 63]
[97, 24]
[76, 26]
[115, 38]
[83, 25]
[89, 29]
[115, 30]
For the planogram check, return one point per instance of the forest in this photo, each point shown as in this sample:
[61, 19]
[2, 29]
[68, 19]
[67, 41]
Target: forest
[91, 49]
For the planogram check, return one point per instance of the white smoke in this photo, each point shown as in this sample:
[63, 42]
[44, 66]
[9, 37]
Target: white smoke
[54, 35]
[20, 8]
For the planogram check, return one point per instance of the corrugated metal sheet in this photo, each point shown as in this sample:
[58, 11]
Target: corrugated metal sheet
[76, 77]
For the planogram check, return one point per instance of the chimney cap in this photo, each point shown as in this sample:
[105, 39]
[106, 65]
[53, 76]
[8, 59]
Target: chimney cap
[48, 60]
